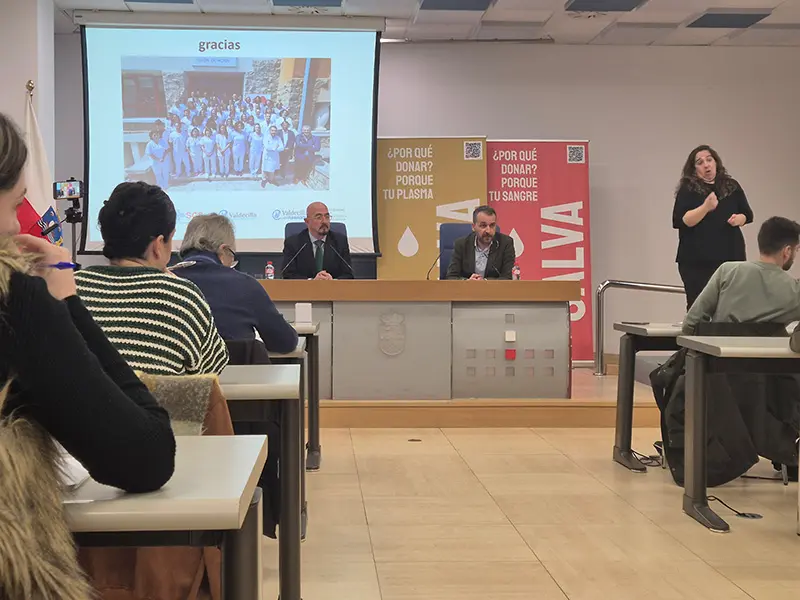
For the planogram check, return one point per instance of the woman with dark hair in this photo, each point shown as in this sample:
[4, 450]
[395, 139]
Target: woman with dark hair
[159, 323]
[710, 210]
[60, 379]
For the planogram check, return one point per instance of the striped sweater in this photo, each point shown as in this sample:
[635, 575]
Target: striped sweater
[159, 323]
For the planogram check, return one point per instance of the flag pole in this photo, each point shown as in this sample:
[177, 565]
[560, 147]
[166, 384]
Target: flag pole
[30, 86]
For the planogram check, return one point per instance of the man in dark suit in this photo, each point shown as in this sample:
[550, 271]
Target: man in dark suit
[318, 252]
[485, 253]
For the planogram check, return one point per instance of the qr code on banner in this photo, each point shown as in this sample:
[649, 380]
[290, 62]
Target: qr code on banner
[576, 155]
[473, 151]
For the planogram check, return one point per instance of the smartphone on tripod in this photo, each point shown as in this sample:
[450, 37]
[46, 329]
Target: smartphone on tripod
[71, 190]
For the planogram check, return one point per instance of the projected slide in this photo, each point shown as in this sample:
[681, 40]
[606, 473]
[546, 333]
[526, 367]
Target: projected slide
[252, 124]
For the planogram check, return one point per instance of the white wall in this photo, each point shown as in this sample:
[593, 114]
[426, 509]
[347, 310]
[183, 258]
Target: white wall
[643, 108]
[26, 53]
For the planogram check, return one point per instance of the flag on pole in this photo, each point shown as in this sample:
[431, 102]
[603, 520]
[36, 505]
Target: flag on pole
[38, 213]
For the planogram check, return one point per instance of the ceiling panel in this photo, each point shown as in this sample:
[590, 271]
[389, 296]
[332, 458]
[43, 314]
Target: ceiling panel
[728, 19]
[602, 5]
[649, 14]
[436, 31]
[537, 15]
[566, 29]
[697, 36]
[92, 4]
[453, 17]
[786, 13]
[699, 6]
[761, 35]
[529, 4]
[309, 3]
[163, 7]
[392, 9]
[474, 5]
[307, 10]
[633, 34]
[235, 6]
[512, 30]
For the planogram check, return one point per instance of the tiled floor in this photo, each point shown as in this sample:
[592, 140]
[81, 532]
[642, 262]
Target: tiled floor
[522, 514]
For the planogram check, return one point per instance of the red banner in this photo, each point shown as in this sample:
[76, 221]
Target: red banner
[540, 191]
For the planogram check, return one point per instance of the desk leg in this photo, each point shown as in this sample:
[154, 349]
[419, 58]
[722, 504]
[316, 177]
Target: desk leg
[241, 556]
[695, 500]
[314, 457]
[289, 536]
[625, 379]
[303, 503]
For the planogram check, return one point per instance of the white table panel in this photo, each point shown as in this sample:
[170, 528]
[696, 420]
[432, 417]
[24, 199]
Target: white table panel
[214, 481]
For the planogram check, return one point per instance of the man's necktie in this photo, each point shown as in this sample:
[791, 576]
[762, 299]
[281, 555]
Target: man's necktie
[319, 255]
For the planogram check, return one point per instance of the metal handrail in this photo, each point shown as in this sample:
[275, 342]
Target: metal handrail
[599, 358]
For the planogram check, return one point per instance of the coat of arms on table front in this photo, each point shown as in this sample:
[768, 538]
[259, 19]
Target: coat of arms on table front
[392, 336]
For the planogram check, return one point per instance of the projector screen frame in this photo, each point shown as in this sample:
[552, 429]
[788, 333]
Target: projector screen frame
[277, 22]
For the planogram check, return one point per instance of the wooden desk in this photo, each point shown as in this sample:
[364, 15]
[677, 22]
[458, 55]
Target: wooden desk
[396, 340]
[720, 355]
[211, 499]
[637, 337]
[249, 389]
[389, 290]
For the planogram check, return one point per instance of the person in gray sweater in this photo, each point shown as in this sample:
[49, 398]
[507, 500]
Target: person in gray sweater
[754, 291]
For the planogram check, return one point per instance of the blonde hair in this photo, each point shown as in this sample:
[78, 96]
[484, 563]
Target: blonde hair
[11, 261]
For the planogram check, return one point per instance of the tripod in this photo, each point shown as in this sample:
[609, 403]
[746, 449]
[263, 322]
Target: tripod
[74, 215]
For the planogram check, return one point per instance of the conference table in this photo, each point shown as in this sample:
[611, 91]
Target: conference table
[720, 355]
[212, 499]
[636, 337]
[249, 389]
[419, 340]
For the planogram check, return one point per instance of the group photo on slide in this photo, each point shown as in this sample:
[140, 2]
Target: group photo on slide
[235, 124]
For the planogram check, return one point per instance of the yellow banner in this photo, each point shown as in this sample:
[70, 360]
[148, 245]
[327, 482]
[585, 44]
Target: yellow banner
[423, 182]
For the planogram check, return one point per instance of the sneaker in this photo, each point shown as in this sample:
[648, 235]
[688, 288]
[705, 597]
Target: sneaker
[794, 340]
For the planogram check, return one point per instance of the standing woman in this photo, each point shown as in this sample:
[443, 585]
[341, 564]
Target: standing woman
[195, 147]
[710, 210]
[273, 146]
[224, 151]
[209, 144]
[256, 149]
[239, 143]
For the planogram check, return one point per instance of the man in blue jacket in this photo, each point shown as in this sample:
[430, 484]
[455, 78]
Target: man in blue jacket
[240, 305]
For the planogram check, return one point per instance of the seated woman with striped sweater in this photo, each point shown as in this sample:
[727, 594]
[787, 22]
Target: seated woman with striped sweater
[159, 323]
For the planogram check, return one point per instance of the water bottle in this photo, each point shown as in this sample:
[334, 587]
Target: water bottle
[269, 271]
[516, 273]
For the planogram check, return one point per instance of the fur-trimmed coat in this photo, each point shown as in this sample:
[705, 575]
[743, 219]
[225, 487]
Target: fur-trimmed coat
[37, 553]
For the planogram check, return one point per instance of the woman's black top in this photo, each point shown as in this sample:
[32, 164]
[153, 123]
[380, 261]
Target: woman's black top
[70, 379]
[712, 240]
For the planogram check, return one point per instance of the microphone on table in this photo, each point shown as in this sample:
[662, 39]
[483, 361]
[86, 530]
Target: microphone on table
[341, 258]
[428, 276]
[286, 266]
